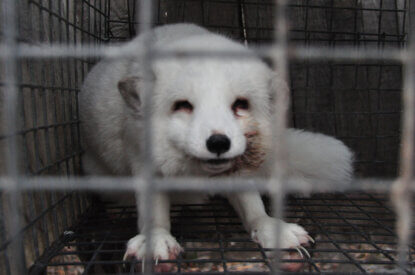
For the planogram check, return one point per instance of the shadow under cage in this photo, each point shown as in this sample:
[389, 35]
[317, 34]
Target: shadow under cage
[358, 101]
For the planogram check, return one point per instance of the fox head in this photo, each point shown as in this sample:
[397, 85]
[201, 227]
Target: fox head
[210, 115]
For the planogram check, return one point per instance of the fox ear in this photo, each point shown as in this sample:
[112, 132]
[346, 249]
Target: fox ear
[278, 87]
[129, 91]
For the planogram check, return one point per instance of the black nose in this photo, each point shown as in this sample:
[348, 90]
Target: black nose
[218, 144]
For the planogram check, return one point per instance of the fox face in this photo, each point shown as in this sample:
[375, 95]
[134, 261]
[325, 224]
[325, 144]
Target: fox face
[210, 116]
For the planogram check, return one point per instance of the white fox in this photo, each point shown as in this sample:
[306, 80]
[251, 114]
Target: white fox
[211, 117]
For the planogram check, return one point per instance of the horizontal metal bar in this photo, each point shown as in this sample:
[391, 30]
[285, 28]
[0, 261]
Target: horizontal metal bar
[39, 128]
[234, 249]
[398, 37]
[191, 184]
[229, 239]
[294, 52]
[271, 4]
[229, 260]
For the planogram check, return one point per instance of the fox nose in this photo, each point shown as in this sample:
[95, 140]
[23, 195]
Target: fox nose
[218, 144]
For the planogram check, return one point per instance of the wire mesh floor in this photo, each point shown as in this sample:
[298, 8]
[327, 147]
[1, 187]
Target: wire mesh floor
[354, 233]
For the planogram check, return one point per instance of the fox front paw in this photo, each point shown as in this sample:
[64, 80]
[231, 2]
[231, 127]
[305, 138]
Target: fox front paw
[291, 236]
[164, 246]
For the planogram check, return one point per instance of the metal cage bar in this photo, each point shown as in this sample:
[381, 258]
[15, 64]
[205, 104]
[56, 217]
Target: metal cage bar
[214, 238]
[74, 60]
[15, 262]
[400, 194]
[148, 194]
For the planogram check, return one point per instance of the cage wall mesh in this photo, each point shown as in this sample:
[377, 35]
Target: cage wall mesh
[353, 232]
[48, 134]
[357, 101]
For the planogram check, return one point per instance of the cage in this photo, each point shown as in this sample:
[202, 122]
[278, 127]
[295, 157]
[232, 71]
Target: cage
[347, 79]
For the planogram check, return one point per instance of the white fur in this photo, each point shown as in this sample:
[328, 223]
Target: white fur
[313, 156]
[112, 132]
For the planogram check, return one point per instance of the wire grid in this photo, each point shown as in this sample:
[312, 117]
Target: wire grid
[47, 125]
[353, 232]
[90, 35]
[256, 18]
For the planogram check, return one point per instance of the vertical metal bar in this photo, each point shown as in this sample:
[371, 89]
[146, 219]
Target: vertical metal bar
[307, 65]
[145, 8]
[38, 152]
[66, 129]
[282, 99]
[4, 257]
[9, 29]
[107, 19]
[44, 108]
[332, 65]
[71, 127]
[75, 205]
[81, 19]
[131, 19]
[30, 197]
[404, 20]
[242, 21]
[381, 65]
[94, 17]
[63, 14]
[401, 194]
[254, 33]
[77, 64]
[101, 17]
[397, 15]
[88, 22]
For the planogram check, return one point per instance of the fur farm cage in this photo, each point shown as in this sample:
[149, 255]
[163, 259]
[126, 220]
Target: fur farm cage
[350, 64]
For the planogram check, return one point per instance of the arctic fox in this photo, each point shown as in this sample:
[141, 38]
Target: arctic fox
[211, 117]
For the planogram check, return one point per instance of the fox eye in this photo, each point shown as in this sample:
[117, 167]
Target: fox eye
[182, 105]
[240, 104]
